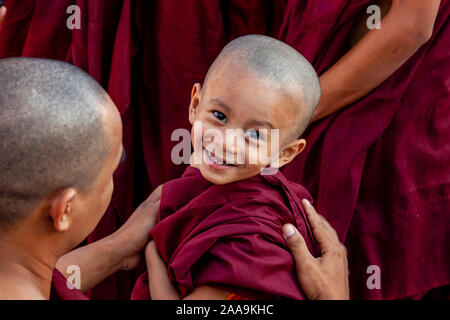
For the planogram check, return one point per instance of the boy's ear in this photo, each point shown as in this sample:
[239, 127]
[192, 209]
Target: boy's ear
[61, 209]
[289, 153]
[195, 102]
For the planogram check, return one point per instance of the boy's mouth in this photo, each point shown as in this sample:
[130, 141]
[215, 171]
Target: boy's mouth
[214, 162]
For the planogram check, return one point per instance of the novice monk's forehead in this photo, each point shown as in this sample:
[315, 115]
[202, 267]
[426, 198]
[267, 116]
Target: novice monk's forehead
[51, 132]
[277, 63]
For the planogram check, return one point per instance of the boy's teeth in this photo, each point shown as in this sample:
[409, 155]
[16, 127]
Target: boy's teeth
[214, 159]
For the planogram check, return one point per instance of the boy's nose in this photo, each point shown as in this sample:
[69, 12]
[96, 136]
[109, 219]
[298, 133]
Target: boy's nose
[234, 141]
[234, 148]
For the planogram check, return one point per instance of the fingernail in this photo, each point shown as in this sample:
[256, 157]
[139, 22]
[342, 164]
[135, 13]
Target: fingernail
[306, 202]
[288, 230]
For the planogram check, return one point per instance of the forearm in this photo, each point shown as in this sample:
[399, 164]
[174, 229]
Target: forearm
[159, 283]
[377, 55]
[162, 289]
[96, 261]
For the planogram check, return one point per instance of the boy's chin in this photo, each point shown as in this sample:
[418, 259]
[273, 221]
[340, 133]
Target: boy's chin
[227, 175]
[217, 177]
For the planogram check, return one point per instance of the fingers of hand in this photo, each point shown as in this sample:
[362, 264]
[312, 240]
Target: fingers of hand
[323, 232]
[151, 250]
[332, 233]
[153, 200]
[341, 252]
[319, 230]
[334, 245]
[151, 245]
[338, 254]
[156, 194]
[154, 261]
[296, 244]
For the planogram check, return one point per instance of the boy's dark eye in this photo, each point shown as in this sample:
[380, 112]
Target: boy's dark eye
[252, 133]
[124, 156]
[220, 116]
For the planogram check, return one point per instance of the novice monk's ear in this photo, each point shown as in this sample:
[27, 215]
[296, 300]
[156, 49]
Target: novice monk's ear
[195, 102]
[61, 209]
[289, 153]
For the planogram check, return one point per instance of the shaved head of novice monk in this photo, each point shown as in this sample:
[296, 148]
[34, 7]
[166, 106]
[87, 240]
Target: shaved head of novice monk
[60, 142]
[255, 85]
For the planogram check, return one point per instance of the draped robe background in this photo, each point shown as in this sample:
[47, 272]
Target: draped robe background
[379, 170]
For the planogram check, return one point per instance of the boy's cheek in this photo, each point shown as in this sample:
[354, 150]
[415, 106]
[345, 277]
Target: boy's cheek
[259, 157]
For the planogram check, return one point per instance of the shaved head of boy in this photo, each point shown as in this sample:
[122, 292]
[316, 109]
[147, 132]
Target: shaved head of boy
[60, 141]
[256, 84]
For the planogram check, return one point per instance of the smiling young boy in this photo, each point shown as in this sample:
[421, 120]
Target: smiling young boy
[219, 224]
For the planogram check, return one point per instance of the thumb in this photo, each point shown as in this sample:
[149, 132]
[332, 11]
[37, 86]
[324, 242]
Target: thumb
[296, 244]
[155, 196]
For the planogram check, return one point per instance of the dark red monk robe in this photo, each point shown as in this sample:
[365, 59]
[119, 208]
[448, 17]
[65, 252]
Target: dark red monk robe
[230, 235]
[60, 291]
[379, 169]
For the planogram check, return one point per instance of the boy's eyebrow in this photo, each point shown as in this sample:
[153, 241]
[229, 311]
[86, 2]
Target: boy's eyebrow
[220, 103]
[261, 123]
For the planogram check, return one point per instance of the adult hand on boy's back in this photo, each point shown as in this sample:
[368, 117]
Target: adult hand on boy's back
[133, 236]
[325, 277]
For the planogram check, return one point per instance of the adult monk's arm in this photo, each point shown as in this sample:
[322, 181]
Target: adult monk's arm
[406, 27]
[122, 250]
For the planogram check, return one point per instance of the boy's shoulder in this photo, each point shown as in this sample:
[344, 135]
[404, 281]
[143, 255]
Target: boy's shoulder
[268, 192]
[271, 182]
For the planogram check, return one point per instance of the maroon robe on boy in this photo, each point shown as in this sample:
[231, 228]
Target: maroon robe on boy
[230, 235]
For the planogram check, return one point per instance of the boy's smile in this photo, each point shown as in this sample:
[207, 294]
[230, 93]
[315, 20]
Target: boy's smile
[214, 162]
